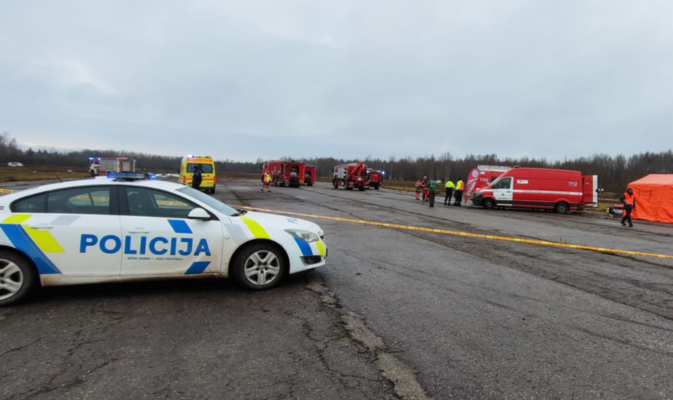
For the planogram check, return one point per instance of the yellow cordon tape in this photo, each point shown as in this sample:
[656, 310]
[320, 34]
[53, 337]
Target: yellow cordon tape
[466, 234]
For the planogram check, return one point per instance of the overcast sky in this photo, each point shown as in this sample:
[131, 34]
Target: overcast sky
[304, 78]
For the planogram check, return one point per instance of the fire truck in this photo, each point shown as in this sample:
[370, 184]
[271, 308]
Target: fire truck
[349, 176]
[107, 165]
[311, 171]
[286, 173]
[375, 178]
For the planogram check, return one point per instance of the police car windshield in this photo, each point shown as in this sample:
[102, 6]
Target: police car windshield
[209, 201]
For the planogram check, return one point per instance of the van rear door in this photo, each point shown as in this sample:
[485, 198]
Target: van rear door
[590, 190]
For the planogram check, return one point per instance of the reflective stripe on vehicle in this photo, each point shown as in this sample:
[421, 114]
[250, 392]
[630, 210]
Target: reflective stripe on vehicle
[255, 228]
[197, 267]
[22, 242]
[321, 248]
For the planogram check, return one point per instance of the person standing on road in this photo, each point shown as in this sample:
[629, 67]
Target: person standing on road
[424, 186]
[432, 189]
[449, 192]
[459, 193]
[266, 179]
[418, 189]
[197, 177]
[629, 201]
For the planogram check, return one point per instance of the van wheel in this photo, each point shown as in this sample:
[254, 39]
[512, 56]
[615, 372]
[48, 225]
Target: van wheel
[17, 278]
[561, 208]
[489, 204]
[259, 266]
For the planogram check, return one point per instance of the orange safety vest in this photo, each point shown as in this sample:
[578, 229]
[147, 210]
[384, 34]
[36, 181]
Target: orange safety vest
[629, 199]
[459, 186]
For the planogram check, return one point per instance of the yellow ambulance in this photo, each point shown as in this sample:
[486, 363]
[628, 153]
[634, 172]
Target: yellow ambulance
[207, 166]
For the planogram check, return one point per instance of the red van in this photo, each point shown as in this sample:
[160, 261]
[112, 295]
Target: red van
[540, 188]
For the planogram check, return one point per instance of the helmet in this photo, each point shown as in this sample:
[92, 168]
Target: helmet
[628, 189]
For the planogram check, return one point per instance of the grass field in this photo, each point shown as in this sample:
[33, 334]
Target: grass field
[18, 174]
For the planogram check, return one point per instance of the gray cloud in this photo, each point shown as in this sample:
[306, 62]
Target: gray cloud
[243, 80]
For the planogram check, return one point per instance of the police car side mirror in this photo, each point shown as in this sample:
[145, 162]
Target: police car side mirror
[199, 213]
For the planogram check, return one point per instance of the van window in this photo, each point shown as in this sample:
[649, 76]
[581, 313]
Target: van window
[504, 183]
[205, 168]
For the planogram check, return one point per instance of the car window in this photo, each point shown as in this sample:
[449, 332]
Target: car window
[504, 183]
[205, 168]
[145, 202]
[209, 201]
[86, 200]
[33, 204]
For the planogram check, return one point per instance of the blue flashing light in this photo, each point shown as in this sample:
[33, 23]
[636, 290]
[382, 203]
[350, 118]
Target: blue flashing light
[127, 176]
[151, 176]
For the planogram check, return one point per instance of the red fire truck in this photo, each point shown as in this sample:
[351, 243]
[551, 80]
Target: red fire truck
[350, 176]
[107, 165]
[311, 171]
[286, 173]
[375, 178]
[540, 188]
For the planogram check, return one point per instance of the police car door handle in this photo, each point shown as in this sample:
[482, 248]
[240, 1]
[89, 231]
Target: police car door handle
[139, 230]
[40, 226]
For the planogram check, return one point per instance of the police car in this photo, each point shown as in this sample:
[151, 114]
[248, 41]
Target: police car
[126, 227]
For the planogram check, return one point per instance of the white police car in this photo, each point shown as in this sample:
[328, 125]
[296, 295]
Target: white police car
[127, 228]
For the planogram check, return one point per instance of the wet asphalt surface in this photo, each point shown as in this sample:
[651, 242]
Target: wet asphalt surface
[395, 313]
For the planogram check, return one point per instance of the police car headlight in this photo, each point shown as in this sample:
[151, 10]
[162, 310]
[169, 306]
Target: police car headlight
[306, 236]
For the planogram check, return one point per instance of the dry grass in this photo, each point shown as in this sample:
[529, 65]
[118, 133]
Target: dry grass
[19, 174]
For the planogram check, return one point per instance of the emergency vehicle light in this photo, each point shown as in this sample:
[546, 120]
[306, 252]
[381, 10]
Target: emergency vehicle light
[129, 176]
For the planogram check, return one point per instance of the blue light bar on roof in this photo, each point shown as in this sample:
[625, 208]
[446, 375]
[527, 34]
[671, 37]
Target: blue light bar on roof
[128, 176]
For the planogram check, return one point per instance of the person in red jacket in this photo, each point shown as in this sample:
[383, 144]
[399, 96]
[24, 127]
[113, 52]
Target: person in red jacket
[629, 201]
[425, 185]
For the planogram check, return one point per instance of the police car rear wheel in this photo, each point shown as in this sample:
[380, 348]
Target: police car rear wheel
[260, 266]
[17, 278]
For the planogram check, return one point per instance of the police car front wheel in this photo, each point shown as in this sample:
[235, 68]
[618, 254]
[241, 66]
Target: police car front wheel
[17, 278]
[259, 266]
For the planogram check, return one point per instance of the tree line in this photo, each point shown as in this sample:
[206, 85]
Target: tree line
[614, 173]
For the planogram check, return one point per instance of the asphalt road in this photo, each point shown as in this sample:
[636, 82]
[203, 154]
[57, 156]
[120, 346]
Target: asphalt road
[395, 313]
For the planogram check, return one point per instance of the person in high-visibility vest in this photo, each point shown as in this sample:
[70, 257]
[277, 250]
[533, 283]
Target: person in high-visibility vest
[267, 181]
[629, 201]
[449, 192]
[432, 190]
[459, 193]
[418, 189]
